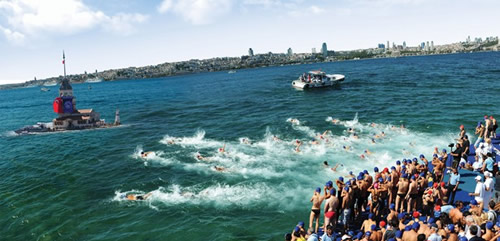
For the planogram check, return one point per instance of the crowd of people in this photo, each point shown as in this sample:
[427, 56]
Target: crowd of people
[410, 201]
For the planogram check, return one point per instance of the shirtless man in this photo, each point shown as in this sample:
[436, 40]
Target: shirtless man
[412, 194]
[495, 126]
[367, 224]
[330, 208]
[451, 234]
[200, 157]
[316, 199]
[346, 205]
[402, 187]
[297, 144]
[393, 215]
[145, 154]
[393, 189]
[438, 169]
[489, 231]
[455, 214]
[138, 197]
[488, 127]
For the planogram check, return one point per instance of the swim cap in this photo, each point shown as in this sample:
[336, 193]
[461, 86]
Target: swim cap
[318, 189]
[348, 183]
[435, 155]
[461, 126]
[398, 162]
[346, 188]
[479, 123]
[430, 184]
[399, 234]
[444, 150]
[329, 184]
[437, 214]
[412, 177]
[489, 225]
[408, 228]
[393, 168]
[405, 175]
[415, 159]
[341, 179]
[392, 206]
[401, 216]
[365, 171]
[415, 225]
[382, 224]
[375, 185]
[296, 229]
[422, 174]
[440, 158]
[368, 233]
[403, 166]
[451, 227]
[301, 224]
[370, 216]
[360, 177]
[431, 220]
[391, 239]
[350, 233]
[373, 227]
[416, 214]
[380, 179]
[386, 169]
[332, 191]
[359, 235]
[462, 238]
[442, 184]
[422, 156]
[375, 169]
[350, 172]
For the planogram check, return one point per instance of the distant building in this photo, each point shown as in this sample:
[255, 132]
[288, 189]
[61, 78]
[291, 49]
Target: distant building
[422, 46]
[313, 50]
[432, 45]
[468, 39]
[250, 52]
[393, 45]
[381, 46]
[324, 50]
[404, 44]
[289, 52]
[388, 46]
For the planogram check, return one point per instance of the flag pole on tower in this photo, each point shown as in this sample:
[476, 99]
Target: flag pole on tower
[64, 63]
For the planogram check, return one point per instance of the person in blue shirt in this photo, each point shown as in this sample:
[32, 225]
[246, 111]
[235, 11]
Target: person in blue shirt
[328, 235]
[453, 183]
[488, 164]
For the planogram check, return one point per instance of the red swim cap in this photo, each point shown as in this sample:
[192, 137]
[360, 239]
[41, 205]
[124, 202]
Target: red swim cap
[382, 223]
[416, 214]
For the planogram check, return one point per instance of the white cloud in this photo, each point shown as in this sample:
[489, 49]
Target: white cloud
[12, 36]
[34, 18]
[197, 12]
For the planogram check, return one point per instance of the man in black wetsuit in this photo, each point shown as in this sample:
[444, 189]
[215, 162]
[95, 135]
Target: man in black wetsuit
[457, 154]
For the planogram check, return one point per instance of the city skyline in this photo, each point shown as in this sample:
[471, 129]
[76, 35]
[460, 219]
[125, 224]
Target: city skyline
[100, 35]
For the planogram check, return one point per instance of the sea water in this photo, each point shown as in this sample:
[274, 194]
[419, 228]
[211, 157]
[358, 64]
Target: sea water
[70, 185]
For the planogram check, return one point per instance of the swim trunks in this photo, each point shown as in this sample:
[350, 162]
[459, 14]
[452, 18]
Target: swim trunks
[330, 214]
[315, 211]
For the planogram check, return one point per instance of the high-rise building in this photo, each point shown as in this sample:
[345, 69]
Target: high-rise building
[388, 46]
[250, 52]
[381, 46]
[432, 45]
[393, 45]
[404, 44]
[324, 50]
[289, 52]
[422, 45]
[427, 46]
[313, 50]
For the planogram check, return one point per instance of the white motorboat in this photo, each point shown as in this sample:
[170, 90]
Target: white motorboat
[317, 79]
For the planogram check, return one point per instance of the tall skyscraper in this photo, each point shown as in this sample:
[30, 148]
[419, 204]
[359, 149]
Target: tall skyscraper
[313, 50]
[432, 45]
[388, 46]
[250, 52]
[404, 44]
[324, 50]
[428, 47]
[289, 52]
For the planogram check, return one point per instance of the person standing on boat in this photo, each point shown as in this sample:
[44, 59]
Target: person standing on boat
[480, 134]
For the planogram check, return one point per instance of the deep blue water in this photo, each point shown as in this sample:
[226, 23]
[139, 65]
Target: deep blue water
[67, 186]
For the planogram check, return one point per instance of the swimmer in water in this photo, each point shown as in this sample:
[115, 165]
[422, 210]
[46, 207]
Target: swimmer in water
[382, 134]
[368, 152]
[325, 164]
[373, 141]
[223, 149]
[275, 138]
[373, 124]
[347, 148]
[145, 154]
[350, 130]
[246, 141]
[220, 169]
[355, 136]
[334, 169]
[138, 197]
[362, 156]
[295, 121]
[314, 142]
[297, 149]
[200, 157]
[335, 121]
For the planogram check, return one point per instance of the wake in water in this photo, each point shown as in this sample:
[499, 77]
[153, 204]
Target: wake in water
[296, 164]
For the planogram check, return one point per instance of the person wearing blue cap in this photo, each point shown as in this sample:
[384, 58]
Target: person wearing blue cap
[402, 189]
[331, 206]
[375, 169]
[489, 231]
[367, 224]
[347, 203]
[434, 235]
[316, 199]
[438, 169]
[412, 194]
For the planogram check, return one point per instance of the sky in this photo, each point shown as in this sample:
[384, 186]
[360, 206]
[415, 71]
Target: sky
[109, 34]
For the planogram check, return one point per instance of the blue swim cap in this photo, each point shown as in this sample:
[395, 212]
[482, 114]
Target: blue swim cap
[332, 191]
[346, 188]
[399, 234]
[430, 184]
[422, 174]
[348, 183]
[463, 238]
[391, 239]
[373, 227]
[408, 228]
[422, 156]
[329, 184]
[412, 177]
[370, 216]
[415, 226]
[489, 225]
[398, 162]
[350, 172]
[341, 179]
[365, 171]
[296, 229]
[444, 150]
[359, 235]
[437, 214]
[451, 227]
[318, 189]
[393, 168]
[301, 224]
[375, 169]
[473, 202]
[440, 158]
[401, 216]
[361, 173]
[360, 177]
[405, 175]
[392, 206]
[380, 179]
[403, 166]
[415, 159]
[368, 233]
[431, 220]
[435, 155]
[350, 233]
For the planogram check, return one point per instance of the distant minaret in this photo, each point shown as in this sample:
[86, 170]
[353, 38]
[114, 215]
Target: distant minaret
[65, 89]
[117, 117]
